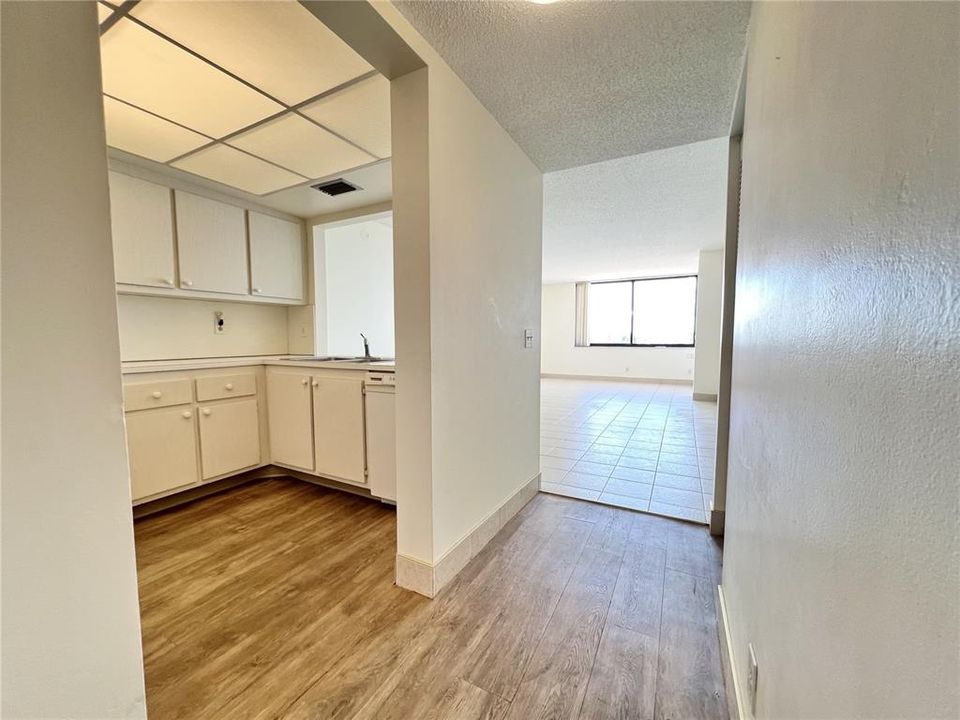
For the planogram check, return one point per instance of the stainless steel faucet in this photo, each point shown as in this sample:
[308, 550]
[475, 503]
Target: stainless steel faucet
[366, 347]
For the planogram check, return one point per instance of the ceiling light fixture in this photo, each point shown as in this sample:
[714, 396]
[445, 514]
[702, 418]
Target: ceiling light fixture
[543, 2]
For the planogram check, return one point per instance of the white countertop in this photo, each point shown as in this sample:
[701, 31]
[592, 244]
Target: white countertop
[146, 366]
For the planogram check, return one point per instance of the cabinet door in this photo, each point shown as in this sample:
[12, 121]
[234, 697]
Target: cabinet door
[163, 450]
[338, 428]
[290, 416]
[141, 219]
[212, 244]
[229, 436]
[276, 257]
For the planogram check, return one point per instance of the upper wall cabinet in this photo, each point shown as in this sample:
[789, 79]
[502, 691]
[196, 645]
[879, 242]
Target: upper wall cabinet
[276, 257]
[141, 217]
[175, 243]
[211, 240]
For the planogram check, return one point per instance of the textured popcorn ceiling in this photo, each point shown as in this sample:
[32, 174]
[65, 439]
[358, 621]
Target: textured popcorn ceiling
[577, 82]
[635, 216]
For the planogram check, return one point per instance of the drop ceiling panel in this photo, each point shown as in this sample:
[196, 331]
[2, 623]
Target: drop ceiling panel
[360, 113]
[103, 12]
[139, 132]
[279, 47]
[231, 167]
[302, 146]
[147, 71]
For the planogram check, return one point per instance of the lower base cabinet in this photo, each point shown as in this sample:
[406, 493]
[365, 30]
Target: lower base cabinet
[338, 435]
[290, 413]
[229, 436]
[185, 430]
[162, 446]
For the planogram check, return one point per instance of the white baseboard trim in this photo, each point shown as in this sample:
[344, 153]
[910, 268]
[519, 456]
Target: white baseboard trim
[428, 580]
[732, 685]
[706, 397]
[617, 378]
[718, 521]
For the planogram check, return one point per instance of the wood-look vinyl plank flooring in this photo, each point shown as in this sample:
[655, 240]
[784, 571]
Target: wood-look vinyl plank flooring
[276, 600]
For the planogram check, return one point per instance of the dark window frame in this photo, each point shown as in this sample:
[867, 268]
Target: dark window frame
[633, 282]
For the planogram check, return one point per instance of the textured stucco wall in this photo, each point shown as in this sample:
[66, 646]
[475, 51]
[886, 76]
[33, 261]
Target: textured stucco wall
[841, 552]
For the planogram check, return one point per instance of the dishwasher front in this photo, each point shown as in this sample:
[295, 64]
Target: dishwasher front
[378, 398]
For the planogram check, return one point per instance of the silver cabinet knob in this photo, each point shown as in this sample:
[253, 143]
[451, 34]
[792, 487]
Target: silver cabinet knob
[206, 411]
[187, 414]
[167, 281]
[156, 394]
[188, 283]
[228, 386]
[316, 384]
[258, 290]
[304, 381]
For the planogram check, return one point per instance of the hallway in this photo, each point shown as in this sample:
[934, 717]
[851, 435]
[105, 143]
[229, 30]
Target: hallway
[643, 446]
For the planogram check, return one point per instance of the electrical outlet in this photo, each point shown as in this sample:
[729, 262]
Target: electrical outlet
[219, 323]
[752, 679]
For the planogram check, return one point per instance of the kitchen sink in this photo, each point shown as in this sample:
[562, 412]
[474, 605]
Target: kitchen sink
[364, 359]
[340, 358]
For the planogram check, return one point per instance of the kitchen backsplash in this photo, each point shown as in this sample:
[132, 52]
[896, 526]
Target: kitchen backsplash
[157, 328]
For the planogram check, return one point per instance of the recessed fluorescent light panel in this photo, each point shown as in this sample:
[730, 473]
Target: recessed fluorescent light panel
[360, 113]
[147, 71]
[279, 47]
[237, 169]
[302, 146]
[138, 132]
[231, 91]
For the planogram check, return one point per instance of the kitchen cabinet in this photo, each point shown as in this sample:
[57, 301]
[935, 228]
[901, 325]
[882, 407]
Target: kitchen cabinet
[141, 221]
[290, 413]
[276, 257]
[229, 436]
[162, 447]
[212, 245]
[338, 428]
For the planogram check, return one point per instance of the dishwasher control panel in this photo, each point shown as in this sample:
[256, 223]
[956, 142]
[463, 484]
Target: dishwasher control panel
[381, 378]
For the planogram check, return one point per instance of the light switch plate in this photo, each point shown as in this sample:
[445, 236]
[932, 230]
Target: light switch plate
[528, 338]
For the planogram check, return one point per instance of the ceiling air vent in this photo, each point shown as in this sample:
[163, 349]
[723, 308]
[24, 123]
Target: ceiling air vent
[336, 187]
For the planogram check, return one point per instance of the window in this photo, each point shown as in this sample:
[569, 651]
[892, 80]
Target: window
[651, 312]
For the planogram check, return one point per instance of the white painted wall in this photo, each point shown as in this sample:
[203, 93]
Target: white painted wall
[485, 250]
[636, 216]
[153, 328]
[559, 355]
[359, 287]
[411, 253]
[706, 367]
[71, 634]
[840, 556]
[468, 250]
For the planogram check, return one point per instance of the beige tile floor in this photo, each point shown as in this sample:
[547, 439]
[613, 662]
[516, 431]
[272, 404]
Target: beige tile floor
[643, 446]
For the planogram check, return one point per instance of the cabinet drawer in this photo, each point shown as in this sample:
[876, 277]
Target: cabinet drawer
[217, 387]
[162, 393]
